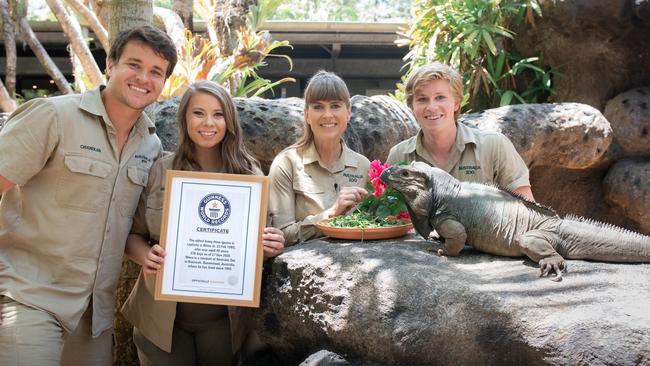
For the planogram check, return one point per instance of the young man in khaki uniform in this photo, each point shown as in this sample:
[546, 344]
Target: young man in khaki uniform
[71, 172]
[434, 92]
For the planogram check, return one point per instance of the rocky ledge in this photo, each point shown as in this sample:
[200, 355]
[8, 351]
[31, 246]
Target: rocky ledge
[394, 302]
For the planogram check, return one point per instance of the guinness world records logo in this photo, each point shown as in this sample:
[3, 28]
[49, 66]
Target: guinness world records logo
[214, 209]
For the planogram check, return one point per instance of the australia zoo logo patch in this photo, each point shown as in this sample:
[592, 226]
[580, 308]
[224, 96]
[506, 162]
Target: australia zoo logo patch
[214, 209]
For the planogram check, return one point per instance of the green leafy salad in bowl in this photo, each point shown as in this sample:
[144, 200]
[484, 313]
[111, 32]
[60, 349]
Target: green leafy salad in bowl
[383, 207]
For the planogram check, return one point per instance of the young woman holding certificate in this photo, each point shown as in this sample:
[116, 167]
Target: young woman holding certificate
[169, 333]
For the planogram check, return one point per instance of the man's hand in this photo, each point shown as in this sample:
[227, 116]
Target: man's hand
[273, 241]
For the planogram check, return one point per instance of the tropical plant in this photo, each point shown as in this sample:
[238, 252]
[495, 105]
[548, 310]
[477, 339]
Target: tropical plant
[201, 59]
[235, 68]
[475, 37]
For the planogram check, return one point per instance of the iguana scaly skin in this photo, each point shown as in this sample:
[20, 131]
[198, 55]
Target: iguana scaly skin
[499, 222]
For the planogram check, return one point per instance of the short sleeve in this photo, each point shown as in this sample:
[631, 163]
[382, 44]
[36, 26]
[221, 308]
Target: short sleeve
[511, 172]
[396, 155]
[152, 192]
[27, 140]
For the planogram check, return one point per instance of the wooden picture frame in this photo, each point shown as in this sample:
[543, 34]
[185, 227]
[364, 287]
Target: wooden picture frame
[212, 226]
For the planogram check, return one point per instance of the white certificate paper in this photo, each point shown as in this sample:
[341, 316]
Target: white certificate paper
[212, 231]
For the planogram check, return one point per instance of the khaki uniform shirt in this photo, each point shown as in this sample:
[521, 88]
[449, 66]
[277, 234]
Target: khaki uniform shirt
[155, 319]
[302, 188]
[477, 156]
[64, 225]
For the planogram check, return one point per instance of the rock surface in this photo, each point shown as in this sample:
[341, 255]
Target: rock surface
[395, 303]
[568, 135]
[600, 47]
[626, 187]
[629, 115]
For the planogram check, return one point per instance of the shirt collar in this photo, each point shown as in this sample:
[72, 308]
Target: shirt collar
[464, 136]
[91, 102]
[348, 157]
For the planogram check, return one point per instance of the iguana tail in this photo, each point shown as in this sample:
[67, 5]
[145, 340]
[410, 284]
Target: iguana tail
[592, 240]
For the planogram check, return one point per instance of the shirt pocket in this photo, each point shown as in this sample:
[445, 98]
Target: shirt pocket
[83, 184]
[136, 181]
[309, 190]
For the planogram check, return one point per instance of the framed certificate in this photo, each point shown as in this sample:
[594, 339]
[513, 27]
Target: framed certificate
[212, 229]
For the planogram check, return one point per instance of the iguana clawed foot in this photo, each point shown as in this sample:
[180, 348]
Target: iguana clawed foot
[555, 263]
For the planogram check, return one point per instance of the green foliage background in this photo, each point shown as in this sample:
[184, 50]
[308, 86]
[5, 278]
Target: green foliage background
[475, 37]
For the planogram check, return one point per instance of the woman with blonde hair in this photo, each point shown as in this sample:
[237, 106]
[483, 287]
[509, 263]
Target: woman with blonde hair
[169, 333]
[318, 177]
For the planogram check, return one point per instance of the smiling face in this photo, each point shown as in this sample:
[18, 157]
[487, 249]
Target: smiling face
[434, 105]
[206, 125]
[136, 79]
[328, 119]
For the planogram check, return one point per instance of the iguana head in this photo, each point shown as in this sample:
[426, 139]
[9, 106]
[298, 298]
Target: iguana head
[412, 182]
[425, 188]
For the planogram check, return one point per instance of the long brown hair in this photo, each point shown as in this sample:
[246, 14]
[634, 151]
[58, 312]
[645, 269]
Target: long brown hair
[324, 85]
[234, 155]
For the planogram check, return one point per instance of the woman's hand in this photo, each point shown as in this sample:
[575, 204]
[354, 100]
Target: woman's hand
[154, 259]
[347, 198]
[273, 241]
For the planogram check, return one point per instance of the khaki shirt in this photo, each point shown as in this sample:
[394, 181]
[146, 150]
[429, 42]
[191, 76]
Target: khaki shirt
[477, 156]
[155, 319]
[64, 225]
[302, 188]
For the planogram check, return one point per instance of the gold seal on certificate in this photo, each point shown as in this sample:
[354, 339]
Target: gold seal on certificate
[212, 231]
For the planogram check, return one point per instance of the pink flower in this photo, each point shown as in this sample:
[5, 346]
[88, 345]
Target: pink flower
[376, 167]
[403, 215]
[379, 187]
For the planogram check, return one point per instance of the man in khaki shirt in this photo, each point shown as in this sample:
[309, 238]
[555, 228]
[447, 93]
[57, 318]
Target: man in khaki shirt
[434, 93]
[71, 172]
[476, 156]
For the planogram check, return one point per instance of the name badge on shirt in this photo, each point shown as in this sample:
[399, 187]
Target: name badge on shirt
[469, 169]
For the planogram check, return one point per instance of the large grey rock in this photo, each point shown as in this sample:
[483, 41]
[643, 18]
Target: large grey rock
[627, 187]
[600, 47]
[324, 358]
[568, 135]
[629, 115]
[270, 125]
[395, 303]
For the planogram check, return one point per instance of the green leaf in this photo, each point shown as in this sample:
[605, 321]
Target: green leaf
[506, 98]
[489, 42]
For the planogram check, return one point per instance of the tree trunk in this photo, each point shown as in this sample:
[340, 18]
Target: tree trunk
[77, 43]
[184, 10]
[99, 8]
[9, 34]
[126, 14]
[7, 103]
[93, 22]
[226, 17]
[172, 24]
[42, 56]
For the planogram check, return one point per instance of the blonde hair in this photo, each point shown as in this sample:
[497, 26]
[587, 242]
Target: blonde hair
[434, 71]
[234, 155]
[324, 85]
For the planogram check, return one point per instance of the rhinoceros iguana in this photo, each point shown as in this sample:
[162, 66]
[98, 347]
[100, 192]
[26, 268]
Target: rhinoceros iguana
[499, 222]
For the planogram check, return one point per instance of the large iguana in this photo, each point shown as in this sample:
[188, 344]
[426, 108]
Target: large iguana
[498, 222]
